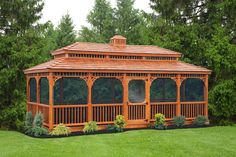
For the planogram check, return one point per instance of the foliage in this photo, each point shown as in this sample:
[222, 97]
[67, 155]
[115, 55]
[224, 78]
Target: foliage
[204, 31]
[65, 32]
[28, 122]
[179, 121]
[90, 127]
[106, 21]
[119, 123]
[101, 19]
[39, 131]
[223, 96]
[200, 120]
[111, 128]
[38, 120]
[22, 45]
[61, 129]
[159, 121]
[223, 122]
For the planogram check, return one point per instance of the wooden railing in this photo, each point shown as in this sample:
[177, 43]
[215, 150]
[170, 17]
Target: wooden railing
[44, 109]
[192, 109]
[70, 115]
[106, 113]
[77, 115]
[168, 109]
[137, 111]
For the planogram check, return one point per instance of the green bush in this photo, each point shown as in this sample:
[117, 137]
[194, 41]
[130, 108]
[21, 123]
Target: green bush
[159, 121]
[61, 129]
[223, 122]
[179, 121]
[12, 116]
[90, 127]
[28, 122]
[119, 123]
[222, 100]
[111, 128]
[38, 120]
[200, 120]
[38, 129]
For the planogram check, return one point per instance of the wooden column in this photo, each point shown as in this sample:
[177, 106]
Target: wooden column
[147, 97]
[90, 107]
[125, 97]
[50, 114]
[178, 85]
[37, 78]
[206, 96]
[27, 93]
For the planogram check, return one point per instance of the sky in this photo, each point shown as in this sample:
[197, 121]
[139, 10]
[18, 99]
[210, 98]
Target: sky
[78, 9]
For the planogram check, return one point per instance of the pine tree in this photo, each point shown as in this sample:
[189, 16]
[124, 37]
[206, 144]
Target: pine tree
[101, 19]
[205, 32]
[21, 46]
[65, 32]
[130, 22]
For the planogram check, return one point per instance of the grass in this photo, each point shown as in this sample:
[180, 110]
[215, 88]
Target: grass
[201, 142]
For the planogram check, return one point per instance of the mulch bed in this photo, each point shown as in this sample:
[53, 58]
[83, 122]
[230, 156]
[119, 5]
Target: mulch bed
[81, 133]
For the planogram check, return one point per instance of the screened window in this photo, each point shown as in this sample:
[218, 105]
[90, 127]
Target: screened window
[107, 90]
[71, 91]
[136, 91]
[33, 90]
[192, 89]
[44, 91]
[163, 90]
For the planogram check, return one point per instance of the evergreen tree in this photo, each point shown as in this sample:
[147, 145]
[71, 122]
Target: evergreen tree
[129, 21]
[101, 19]
[65, 32]
[204, 31]
[21, 46]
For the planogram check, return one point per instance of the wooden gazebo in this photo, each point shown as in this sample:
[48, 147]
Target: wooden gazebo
[95, 82]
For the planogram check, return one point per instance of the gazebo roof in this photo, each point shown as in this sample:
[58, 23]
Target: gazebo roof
[72, 64]
[116, 57]
[108, 48]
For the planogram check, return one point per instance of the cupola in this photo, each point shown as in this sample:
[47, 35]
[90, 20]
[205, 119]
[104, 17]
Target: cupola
[118, 41]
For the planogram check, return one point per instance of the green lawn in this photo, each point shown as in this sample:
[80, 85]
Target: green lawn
[213, 141]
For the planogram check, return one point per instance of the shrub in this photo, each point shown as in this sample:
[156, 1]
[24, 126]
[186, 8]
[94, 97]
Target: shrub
[61, 129]
[12, 116]
[159, 121]
[119, 123]
[222, 100]
[111, 128]
[200, 120]
[223, 122]
[38, 120]
[38, 129]
[90, 127]
[179, 121]
[28, 123]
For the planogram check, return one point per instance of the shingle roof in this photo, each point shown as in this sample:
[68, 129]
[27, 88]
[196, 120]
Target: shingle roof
[128, 49]
[116, 65]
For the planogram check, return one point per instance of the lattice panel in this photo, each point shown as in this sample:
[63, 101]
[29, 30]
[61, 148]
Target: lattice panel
[107, 74]
[159, 58]
[87, 56]
[163, 75]
[70, 74]
[192, 75]
[137, 74]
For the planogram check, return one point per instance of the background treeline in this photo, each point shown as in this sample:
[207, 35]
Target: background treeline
[203, 30]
